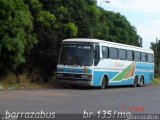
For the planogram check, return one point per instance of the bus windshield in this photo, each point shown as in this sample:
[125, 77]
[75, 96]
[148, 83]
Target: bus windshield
[76, 54]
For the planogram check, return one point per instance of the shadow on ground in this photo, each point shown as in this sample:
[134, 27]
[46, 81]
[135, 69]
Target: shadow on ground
[76, 87]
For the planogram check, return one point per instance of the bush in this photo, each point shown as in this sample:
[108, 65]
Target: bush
[13, 81]
[10, 79]
[35, 76]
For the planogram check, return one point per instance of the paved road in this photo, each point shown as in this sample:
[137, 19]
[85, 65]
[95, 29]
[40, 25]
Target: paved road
[66, 100]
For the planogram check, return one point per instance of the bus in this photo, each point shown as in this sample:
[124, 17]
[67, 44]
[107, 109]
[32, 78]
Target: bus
[98, 63]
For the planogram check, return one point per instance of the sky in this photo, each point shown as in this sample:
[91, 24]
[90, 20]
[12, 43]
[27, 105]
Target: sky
[143, 14]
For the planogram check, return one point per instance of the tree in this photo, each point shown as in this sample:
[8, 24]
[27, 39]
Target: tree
[118, 29]
[156, 48]
[43, 55]
[16, 33]
[55, 20]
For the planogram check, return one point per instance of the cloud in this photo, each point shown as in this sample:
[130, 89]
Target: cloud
[148, 34]
[156, 23]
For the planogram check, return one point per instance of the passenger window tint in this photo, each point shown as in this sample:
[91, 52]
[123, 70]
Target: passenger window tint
[113, 53]
[143, 57]
[129, 55]
[122, 54]
[137, 56]
[96, 55]
[150, 57]
[105, 52]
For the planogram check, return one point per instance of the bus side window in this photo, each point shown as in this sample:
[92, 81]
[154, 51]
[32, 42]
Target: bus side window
[150, 58]
[137, 56]
[96, 54]
[113, 52]
[143, 57]
[105, 52]
[130, 55]
[122, 54]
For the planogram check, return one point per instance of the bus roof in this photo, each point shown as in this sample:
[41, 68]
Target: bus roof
[107, 42]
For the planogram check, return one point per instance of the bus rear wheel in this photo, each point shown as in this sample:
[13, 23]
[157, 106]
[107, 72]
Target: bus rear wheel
[104, 83]
[141, 83]
[135, 83]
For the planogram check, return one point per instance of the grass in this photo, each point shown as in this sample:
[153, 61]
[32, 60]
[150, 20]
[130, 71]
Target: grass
[20, 82]
[156, 81]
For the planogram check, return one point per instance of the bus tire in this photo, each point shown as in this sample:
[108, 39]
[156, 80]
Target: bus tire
[104, 83]
[141, 82]
[135, 83]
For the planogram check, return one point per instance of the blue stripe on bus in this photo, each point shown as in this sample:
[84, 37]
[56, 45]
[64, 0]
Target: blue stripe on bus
[148, 76]
[145, 66]
[147, 70]
[74, 70]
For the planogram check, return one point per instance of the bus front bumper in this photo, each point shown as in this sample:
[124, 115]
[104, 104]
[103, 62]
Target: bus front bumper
[82, 82]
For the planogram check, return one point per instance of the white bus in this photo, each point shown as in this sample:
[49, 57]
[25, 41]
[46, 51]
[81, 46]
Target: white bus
[99, 63]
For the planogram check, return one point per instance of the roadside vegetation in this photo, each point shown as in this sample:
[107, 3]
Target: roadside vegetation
[31, 32]
[22, 82]
[156, 80]
[15, 82]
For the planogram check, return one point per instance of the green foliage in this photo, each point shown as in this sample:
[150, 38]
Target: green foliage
[118, 29]
[74, 18]
[52, 21]
[35, 5]
[16, 36]
[45, 18]
[71, 30]
[156, 48]
[40, 16]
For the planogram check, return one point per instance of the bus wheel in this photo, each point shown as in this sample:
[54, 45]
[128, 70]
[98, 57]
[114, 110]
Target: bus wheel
[135, 83]
[141, 83]
[104, 83]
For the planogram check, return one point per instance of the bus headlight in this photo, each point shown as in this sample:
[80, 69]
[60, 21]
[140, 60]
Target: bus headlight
[59, 75]
[86, 76]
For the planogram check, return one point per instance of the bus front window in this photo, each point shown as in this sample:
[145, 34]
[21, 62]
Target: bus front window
[81, 55]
